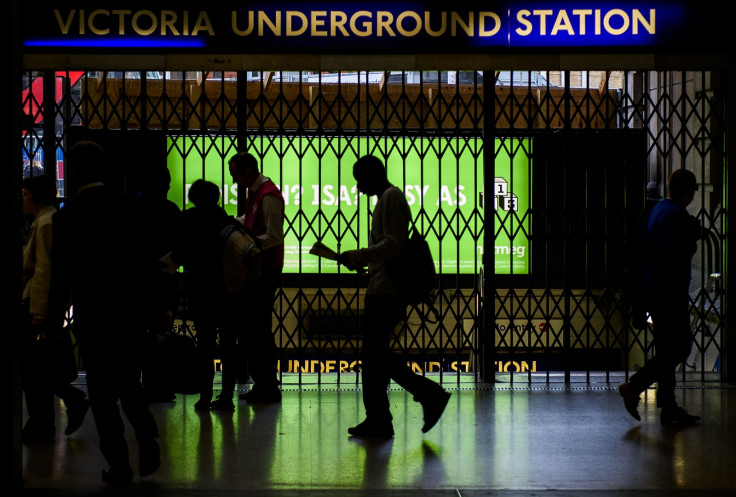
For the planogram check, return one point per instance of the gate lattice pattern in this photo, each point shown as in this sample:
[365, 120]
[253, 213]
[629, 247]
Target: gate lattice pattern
[531, 234]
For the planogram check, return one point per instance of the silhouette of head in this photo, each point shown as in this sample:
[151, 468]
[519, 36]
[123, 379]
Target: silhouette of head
[86, 161]
[370, 175]
[682, 186]
[157, 183]
[204, 193]
[243, 168]
[42, 189]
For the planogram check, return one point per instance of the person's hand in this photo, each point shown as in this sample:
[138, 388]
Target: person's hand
[697, 228]
[344, 259]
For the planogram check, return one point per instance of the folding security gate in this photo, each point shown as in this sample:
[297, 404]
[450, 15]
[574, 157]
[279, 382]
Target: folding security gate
[528, 186]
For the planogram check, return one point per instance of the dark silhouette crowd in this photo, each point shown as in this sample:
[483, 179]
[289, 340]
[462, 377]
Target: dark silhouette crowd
[103, 270]
[115, 261]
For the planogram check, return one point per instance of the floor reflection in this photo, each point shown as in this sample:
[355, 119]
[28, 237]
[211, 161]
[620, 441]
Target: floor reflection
[491, 438]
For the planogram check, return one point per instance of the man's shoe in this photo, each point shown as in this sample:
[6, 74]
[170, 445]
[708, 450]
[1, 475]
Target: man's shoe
[677, 416]
[433, 407]
[117, 476]
[75, 416]
[149, 458]
[202, 405]
[372, 429]
[631, 399]
[262, 395]
[222, 404]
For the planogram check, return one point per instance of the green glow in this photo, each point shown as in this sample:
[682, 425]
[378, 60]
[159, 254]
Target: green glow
[441, 177]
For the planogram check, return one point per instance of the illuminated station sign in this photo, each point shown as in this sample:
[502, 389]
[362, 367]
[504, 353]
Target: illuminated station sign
[362, 26]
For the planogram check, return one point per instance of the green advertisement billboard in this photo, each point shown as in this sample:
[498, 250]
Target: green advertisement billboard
[441, 177]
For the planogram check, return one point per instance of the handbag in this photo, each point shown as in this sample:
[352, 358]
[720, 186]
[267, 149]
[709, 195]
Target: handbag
[414, 274]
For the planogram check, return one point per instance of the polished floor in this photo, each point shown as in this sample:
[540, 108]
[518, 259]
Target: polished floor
[539, 439]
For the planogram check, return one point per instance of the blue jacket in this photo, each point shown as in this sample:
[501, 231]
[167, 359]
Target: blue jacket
[671, 243]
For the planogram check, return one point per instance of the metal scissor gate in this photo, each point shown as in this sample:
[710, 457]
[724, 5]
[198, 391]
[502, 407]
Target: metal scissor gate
[528, 185]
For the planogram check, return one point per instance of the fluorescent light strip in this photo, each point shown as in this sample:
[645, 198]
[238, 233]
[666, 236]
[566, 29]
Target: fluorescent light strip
[116, 43]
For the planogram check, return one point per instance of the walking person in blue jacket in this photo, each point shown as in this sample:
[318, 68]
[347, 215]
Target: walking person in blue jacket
[672, 234]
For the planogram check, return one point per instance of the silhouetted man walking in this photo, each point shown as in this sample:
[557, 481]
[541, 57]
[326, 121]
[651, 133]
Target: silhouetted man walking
[97, 264]
[671, 243]
[384, 308]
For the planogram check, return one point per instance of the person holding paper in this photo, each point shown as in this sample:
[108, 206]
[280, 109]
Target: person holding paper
[383, 310]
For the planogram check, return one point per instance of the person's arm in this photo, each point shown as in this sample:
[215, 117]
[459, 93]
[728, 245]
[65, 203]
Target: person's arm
[41, 281]
[394, 218]
[273, 216]
[60, 286]
[181, 237]
[678, 247]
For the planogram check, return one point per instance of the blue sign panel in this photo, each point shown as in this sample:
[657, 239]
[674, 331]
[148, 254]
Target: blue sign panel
[595, 24]
[367, 27]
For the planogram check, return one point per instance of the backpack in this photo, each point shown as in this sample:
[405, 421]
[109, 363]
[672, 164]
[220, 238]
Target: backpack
[241, 259]
[414, 275]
